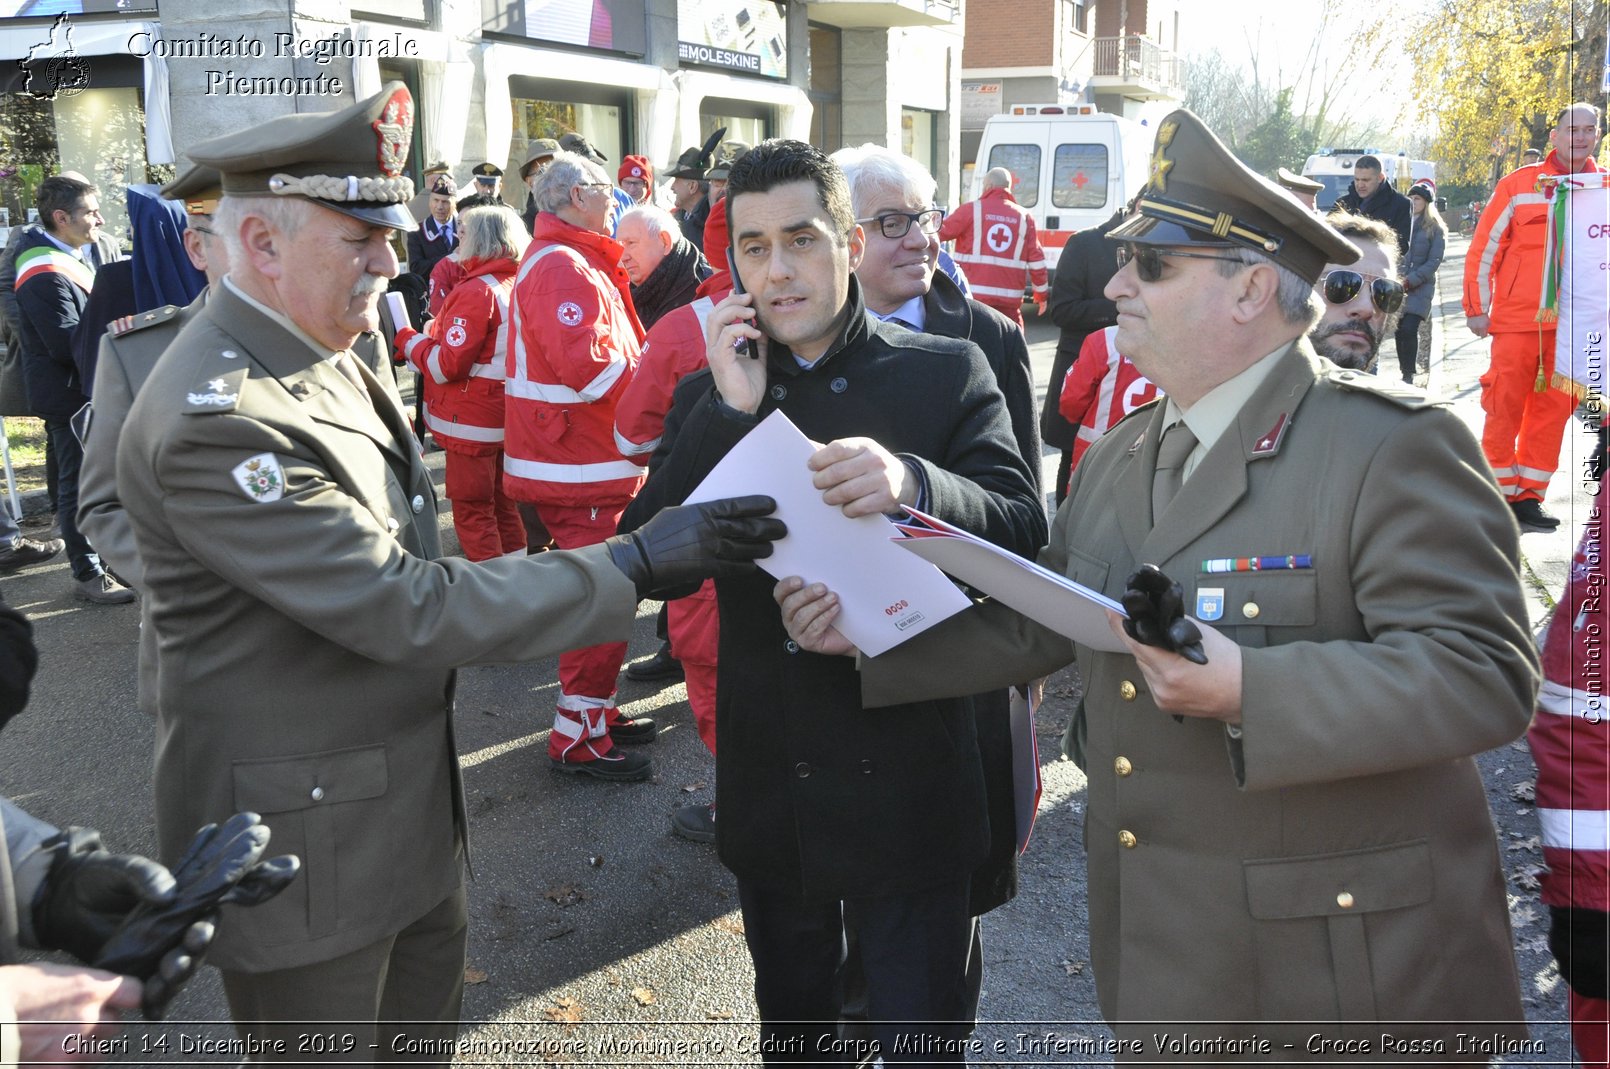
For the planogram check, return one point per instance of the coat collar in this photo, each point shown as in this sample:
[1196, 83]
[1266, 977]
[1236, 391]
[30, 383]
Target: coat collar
[949, 314]
[306, 374]
[1218, 484]
[853, 329]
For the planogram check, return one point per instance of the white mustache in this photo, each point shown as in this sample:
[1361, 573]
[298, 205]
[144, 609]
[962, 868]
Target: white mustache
[370, 285]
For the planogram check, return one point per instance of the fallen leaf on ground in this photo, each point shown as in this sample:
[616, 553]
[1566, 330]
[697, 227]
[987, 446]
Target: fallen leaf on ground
[1524, 791]
[565, 895]
[729, 924]
[567, 1010]
[643, 995]
[697, 785]
[472, 975]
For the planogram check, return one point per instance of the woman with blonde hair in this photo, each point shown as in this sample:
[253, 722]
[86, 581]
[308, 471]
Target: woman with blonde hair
[461, 359]
[1428, 238]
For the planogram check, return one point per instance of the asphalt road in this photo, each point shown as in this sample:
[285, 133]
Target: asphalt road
[596, 936]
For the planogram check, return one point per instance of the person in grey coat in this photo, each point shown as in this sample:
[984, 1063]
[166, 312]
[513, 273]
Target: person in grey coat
[1428, 240]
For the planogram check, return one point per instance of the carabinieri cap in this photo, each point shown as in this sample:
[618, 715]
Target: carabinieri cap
[1200, 194]
[350, 160]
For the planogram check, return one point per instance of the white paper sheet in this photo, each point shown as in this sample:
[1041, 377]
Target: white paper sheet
[885, 595]
[1038, 593]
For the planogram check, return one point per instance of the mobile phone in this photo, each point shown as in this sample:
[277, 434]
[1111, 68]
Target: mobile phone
[750, 349]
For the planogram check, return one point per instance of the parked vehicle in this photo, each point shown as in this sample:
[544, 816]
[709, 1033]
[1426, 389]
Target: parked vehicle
[1071, 165]
[1333, 168]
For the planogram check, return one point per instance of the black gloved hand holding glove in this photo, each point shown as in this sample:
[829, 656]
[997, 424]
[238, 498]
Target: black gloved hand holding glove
[130, 915]
[1156, 607]
[687, 544]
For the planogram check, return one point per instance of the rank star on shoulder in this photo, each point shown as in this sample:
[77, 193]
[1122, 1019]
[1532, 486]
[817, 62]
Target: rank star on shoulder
[217, 385]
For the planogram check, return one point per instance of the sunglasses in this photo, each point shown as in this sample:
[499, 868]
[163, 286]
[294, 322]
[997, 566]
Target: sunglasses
[898, 224]
[1340, 287]
[1149, 259]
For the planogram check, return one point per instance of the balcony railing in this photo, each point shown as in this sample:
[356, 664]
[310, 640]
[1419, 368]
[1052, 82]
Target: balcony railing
[1134, 60]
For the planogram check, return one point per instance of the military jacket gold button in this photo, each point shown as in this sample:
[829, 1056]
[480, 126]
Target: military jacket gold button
[1127, 839]
[1122, 766]
[1250, 610]
[1126, 691]
[1344, 900]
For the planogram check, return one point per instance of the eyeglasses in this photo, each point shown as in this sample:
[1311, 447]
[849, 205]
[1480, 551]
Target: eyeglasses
[1341, 287]
[898, 224]
[593, 185]
[1149, 259]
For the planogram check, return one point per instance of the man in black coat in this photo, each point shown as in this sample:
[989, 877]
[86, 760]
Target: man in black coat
[52, 287]
[830, 817]
[1372, 196]
[1080, 308]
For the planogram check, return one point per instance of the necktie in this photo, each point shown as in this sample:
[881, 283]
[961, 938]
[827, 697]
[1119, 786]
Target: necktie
[348, 367]
[1177, 443]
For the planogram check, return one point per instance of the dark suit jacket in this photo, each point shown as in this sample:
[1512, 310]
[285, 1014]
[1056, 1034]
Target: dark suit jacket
[816, 796]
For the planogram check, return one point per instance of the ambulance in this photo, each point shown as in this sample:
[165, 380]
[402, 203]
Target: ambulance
[1072, 166]
[1333, 169]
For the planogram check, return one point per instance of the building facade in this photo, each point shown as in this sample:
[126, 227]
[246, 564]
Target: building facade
[1122, 56]
[119, 89]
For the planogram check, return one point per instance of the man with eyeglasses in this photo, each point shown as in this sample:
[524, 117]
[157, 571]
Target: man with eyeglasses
[1526, 412]
[575, 340]
[1359, 297]
[1294, 830]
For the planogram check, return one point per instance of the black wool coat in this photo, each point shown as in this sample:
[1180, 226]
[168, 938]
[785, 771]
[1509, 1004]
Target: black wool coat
[818, 795]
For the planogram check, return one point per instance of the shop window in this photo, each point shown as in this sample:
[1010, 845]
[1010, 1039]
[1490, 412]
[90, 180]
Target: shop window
[917, 140]
[826, 87]
[745, 121]
[99, 133]
[598, 123]
[1023, 161]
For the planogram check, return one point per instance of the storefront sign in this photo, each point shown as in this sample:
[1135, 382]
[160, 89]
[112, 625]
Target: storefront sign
[739, 35]
[980, 100]
[615, 25]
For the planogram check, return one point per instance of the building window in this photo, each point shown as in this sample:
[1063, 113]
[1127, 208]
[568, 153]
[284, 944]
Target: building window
[917, 136]
[552, 109]
[745, 121]
[98, 132]
[827, 87]
[1078, 14]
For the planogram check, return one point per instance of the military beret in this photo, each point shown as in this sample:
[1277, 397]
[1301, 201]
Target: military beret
[542, 148]
[486, 170]
[198, 189]
[444, 186]
[1198, 193]
[350, 160]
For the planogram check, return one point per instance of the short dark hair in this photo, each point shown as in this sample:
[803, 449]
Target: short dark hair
[1352, 225]
[59, 193]
[1367, 163]
[779, 161]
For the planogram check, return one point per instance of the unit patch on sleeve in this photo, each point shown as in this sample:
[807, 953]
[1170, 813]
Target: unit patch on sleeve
[261, 477]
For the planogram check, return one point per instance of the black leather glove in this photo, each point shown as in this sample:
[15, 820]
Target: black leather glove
[1156, 607]
[690, 543]
[88, 893]
[222, 865]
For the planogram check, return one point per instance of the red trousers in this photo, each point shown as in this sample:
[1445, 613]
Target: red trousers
[1524, 426]
[587, 676]
[693, 625]
[486, 520]
[1590, 1033]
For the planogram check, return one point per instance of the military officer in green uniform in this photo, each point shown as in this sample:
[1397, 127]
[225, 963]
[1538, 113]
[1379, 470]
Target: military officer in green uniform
[305, 627]
[1303, 849]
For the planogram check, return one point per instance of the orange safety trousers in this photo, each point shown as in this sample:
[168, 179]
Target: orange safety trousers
[1524, 427]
